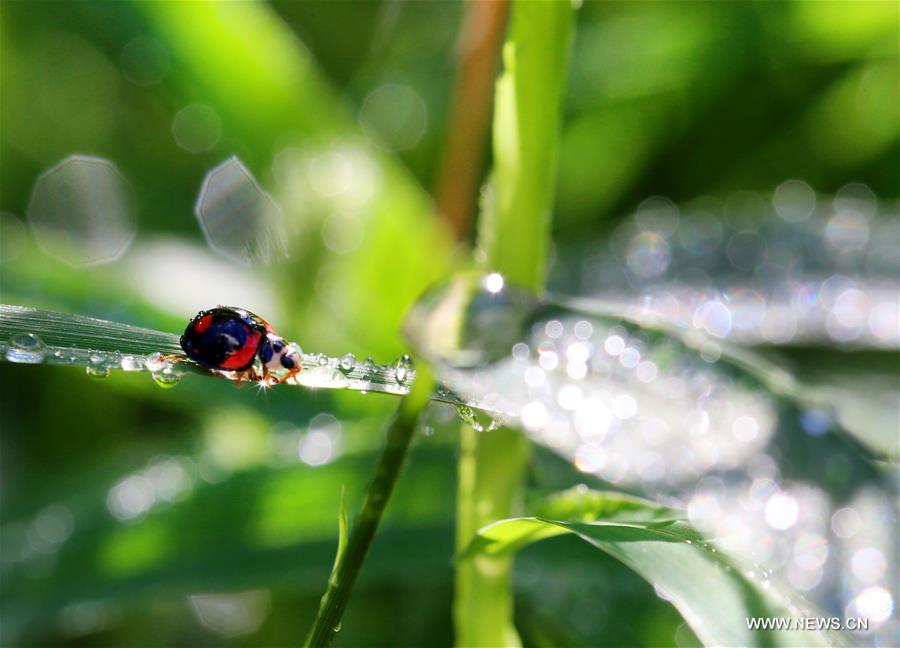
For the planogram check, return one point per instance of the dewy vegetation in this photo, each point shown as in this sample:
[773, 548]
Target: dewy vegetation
[682, 548]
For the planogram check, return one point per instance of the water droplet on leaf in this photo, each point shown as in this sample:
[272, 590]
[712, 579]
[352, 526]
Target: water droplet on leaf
[97, 368]
[464, 324]
[166, 377]
[476, 419]
[130, 363]
[154, 362]
[98, 373]
[25, 348]
[402, 368]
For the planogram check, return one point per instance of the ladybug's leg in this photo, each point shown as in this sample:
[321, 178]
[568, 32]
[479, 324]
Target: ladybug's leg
[249, 375]
[290, 374]
[175, 358]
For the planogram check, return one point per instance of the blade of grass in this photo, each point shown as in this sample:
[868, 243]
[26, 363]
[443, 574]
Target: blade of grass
[349, 561]
[76, 340]
[515, 235]
[514, 239]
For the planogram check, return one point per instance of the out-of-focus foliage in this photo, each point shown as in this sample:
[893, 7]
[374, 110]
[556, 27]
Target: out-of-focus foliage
[207, 514]
[646, 537]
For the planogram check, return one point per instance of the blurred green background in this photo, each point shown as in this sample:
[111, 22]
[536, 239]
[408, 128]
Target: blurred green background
[207, 515]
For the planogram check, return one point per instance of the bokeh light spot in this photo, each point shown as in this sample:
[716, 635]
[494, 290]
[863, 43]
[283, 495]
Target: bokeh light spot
[80, 211]
[394, 116]
[196, 128]
[144, 61]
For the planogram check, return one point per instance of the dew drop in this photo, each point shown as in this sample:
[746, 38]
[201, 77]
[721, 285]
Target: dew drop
[96, 368]
[347, 361]
[130, 363]
[25, 348]
[337, 628]
[166, 377]
[477, 420]
[155, 362]
[98, 373]
[402, 368]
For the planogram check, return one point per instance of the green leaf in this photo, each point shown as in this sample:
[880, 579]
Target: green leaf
[85, 333]
[712, 593]
[343, 523]
[515, 234]
[586, 505]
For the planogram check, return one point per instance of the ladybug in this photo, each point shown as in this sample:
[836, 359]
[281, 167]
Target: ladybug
[230, 339]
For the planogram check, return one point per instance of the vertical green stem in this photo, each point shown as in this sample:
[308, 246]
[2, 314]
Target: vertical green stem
[514, 239]
[349, 561]
[491, 467]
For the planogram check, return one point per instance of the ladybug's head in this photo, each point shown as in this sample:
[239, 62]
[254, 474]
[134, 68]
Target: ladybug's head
[278, 355]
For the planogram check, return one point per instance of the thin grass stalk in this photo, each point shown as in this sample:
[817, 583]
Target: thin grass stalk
[399, 435]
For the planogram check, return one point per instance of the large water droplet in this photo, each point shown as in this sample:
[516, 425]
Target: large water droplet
[26, 348]
[470, 321]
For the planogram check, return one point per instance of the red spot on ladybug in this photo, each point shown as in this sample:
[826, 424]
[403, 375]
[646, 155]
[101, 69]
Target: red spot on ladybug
[243, 357]
[203, 323]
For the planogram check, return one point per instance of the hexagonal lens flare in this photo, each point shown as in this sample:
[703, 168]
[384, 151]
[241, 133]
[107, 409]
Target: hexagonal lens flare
[80, 211]
[238, 218]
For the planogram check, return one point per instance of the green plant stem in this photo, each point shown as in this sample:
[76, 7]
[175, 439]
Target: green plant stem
[399, 434]
[491, 467]
[514, 238]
